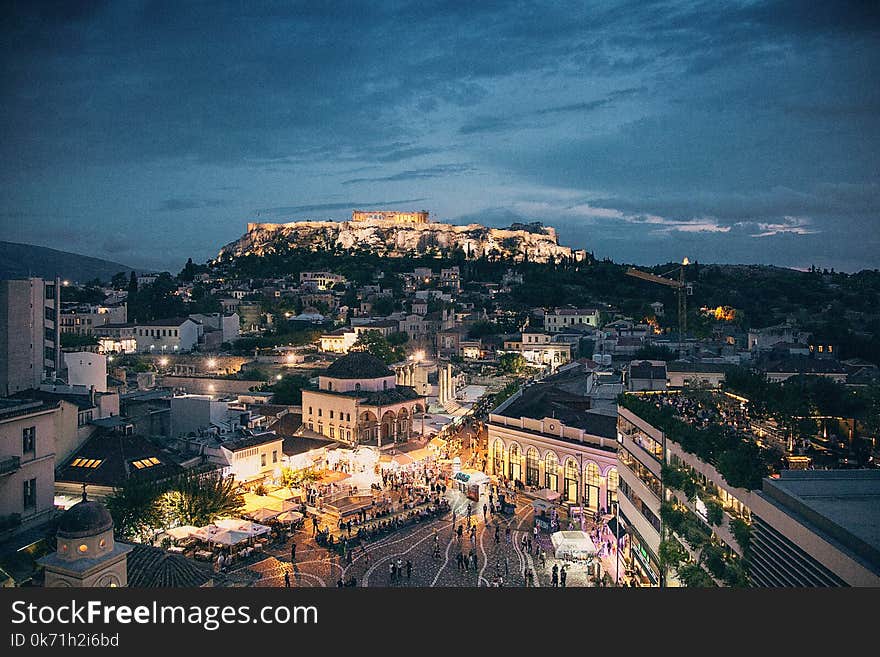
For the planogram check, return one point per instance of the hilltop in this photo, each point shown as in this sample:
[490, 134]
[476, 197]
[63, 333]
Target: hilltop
[22, 260]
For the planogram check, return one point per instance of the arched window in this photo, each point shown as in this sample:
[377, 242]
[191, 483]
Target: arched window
[532, 467]
[570, 487]
[498, 457]
[514, 466]
[611, 489]
[551, 471]
[592, 485]
[357, 387]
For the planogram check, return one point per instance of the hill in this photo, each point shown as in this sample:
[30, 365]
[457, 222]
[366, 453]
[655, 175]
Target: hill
[21, 260]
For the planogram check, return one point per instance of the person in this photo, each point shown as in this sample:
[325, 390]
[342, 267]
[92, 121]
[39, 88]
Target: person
[506, 566]
[286, 579]
[460, 531]
[485, 512]
[554, 576]
[292, 552]
[340, 583]
[391, 571]
[507, 534]
[409, 568]
[562, 576]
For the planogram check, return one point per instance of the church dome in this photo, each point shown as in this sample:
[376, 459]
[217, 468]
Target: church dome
[358, 365]
[86, 518]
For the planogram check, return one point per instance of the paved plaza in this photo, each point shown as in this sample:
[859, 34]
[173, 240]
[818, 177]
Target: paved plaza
[432, 549]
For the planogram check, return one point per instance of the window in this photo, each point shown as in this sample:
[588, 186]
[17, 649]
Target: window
[498, 457]
[310, 410]
[274, 456]
[551, 470]
[311, 427]
[332, 432]
[30, 494]
[331, 414]
[532, 467]
[28, 439]
[86, 463]
[319, 412]
[262, 460]
[145, 463]
[348, 417]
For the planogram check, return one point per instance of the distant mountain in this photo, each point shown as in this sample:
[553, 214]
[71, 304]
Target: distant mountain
[21, 260]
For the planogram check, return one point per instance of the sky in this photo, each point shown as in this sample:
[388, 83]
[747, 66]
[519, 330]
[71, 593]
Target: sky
[645, 132]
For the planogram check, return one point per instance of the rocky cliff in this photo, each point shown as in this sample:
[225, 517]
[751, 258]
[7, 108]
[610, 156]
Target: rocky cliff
[530, 242]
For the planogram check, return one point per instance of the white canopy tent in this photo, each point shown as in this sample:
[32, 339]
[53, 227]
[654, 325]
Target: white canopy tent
[220, 535]
[573, 545]
[290, 517]
[179, 533]
[262, 515]
[244, 526]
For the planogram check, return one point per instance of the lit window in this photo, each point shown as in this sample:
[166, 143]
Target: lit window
[83, 548]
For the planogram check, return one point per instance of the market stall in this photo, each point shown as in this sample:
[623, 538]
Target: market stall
[472, 483]
[573, 545]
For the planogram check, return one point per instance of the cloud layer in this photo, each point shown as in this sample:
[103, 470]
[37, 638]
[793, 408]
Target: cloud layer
[644, 131]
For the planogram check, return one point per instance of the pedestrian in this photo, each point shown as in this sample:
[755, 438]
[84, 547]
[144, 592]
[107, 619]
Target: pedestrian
[506, 566]
[409, 568]
[485, 512]
[562, 576]
[391, 571]
[286, 579]
[554, 576]
[507, 535]
[340, 583]
[529, 544]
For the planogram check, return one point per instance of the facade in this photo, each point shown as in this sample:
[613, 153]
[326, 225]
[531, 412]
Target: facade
[228, 325]
[403, 218]
[82, 319]
[359, 402]
[174, 335]
[320, 280]
[252, 457]
[86, 369]
[541, 437]
[116, 338]
[538, 348]
[805, 527]
[27, 463]
[570, 319]
[646, 375]
[30, 334]
[686, 375]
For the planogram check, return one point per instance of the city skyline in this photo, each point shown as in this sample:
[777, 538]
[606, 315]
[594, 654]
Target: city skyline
[148, 133]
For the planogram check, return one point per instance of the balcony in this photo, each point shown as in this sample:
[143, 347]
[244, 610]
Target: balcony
[9, 465]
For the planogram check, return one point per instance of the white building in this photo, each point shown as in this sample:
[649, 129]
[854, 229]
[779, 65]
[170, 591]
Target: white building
[320, 280]
[174, 335]
[86, 369]
[567, 319]
[228, 325]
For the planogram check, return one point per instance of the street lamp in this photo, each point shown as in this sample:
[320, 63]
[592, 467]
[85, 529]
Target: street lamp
[212, 363]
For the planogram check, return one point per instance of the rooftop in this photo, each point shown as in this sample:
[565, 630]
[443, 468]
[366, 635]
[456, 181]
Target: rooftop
[358, 365]
[169, 321]
[841, 504]
[547, 400]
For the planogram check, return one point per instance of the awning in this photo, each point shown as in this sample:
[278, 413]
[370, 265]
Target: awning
[290, 517]
[262, 515]
[243, 526]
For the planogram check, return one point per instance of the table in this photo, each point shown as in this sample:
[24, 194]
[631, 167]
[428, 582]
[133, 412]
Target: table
[176, 549]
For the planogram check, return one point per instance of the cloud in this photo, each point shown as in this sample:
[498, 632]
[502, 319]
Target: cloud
[793, 225]
[437, 171]
[182, 205]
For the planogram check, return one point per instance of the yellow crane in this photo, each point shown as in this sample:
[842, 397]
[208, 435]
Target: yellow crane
[683, 288]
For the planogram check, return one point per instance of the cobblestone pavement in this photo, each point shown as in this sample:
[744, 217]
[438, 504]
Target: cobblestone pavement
[504, 560]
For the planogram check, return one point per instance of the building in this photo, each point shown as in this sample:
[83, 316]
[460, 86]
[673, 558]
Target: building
[30, 334]
[83, 318]
[27, 464]
[173, 335]
[86, 369]
[86, 555]
[250, 457]
[320, 280]
[116, 338]
[570, 319]
[766, 338]
[546, 437]
[817, 528]
[391, 216]
[539, 348]
[646, 375]
[682, 374]
[787, 367]
[734, 525]
[358, 402]
[227, 324]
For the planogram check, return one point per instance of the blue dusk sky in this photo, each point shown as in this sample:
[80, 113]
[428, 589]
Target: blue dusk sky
[149, 132]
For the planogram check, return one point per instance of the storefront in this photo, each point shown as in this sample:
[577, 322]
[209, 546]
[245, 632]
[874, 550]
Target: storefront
[640, 557]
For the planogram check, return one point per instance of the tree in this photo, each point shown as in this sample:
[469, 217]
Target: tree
[377, 344]
[383, 306]
[512, 363]
[655, 352]
[119, 280]
[132, 284]
[289, 389]
[671, 554]
[199, 500]
[189, 271]
[137, 508]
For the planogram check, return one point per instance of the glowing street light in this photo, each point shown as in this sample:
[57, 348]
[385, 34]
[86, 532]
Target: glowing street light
[419, 356]
[163, 362]
[212, 363]
[278, 377]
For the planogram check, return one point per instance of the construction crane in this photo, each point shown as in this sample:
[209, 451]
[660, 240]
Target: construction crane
[683, 288]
